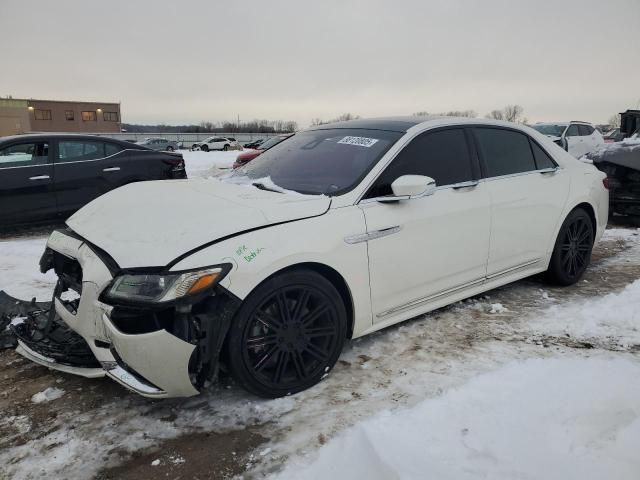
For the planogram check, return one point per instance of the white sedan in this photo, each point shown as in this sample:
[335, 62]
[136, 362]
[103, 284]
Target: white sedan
[217, 143]
[339, 231]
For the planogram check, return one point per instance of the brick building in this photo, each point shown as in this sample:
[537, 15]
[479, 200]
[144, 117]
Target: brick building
[29, 115]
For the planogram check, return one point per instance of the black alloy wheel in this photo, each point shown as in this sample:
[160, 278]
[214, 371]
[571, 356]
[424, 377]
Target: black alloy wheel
[204, 148]
[572, 252]
[225, 148]
[287, 334]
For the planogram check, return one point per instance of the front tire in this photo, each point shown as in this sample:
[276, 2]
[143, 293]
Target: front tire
[572, 252]
[287, 334]
[225, 148]
[169, 148]
[204, 148]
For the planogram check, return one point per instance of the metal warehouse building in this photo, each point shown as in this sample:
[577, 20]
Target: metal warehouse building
[28, 115]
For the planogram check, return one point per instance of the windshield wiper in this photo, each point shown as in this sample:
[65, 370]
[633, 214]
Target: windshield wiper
[262, 186]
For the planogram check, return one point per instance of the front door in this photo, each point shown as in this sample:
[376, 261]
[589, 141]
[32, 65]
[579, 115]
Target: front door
[26, 183]
[425, 249]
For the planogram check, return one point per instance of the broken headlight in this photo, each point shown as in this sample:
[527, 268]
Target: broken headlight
[162, 287]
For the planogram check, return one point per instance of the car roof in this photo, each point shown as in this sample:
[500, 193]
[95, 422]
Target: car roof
[394, 124]
[75, 136]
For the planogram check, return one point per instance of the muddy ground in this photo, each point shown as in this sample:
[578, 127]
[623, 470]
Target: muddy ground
[432, 343]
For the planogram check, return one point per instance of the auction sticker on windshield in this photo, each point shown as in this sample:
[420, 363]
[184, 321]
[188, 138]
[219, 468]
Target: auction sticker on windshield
[359, 141]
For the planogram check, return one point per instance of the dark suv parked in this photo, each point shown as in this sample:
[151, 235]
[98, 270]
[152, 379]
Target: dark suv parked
[48, 176]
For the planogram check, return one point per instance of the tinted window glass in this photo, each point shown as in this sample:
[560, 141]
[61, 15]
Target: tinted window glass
[23, 154]
[573, 131]
[73, 151]
[111, 149]
[543, 160]
[585, 130]
[330, 161]
[504, 151]
[443, 156]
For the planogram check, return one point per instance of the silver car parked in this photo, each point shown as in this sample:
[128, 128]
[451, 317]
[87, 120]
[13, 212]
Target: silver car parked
[159, 144]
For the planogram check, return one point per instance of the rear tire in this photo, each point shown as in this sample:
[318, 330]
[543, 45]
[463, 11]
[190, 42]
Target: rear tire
[170, 148]
[572, 251]
[287, 334]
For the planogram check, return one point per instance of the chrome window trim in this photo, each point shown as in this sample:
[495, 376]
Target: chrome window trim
[81, 161]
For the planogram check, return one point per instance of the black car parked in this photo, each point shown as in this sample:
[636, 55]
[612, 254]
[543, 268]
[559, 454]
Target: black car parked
[48, 176]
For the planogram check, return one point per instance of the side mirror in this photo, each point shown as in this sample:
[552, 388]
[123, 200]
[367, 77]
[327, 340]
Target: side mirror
[410, 186]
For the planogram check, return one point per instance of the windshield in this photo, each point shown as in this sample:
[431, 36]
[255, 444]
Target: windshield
[271, 142]
[330, 162]
[552, 130]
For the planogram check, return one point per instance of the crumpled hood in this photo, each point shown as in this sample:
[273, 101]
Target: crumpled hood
[149, 224]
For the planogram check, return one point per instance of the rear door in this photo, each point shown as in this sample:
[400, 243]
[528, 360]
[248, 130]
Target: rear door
[26, 182]
[84, 169]
[528, 193]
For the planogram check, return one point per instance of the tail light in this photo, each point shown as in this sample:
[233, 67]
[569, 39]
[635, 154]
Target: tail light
[605, 182]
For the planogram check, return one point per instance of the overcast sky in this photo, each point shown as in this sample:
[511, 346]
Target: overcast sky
[190, 60]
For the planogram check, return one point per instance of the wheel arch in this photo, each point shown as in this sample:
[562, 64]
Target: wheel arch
[591, 211]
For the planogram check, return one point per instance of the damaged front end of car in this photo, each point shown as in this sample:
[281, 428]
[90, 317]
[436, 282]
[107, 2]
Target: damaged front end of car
[157, 332]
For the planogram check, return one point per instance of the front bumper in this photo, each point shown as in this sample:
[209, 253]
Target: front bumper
[154, 364]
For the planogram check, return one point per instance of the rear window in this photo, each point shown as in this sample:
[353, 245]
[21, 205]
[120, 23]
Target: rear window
[331, 161]
[504, 152]
[78, 150]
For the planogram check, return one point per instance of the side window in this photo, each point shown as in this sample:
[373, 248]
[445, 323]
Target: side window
[24, 154]
[442, 155]
[543, 160]
[585, 130]
[573, 131]
[111, 149]
[504, 152]
[78, 150]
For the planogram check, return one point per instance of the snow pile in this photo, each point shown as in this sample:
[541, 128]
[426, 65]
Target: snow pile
[19, 272]
[48, 395]
[205, 164]
[549, 419]
[615, 316]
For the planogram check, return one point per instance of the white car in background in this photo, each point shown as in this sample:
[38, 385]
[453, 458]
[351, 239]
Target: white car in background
[217, 143]
[577, 138]
[341, 230]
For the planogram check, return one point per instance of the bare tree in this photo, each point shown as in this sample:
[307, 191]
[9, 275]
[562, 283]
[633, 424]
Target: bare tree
[510, 113]
[614, 121]
[513, 113]
[496, 114]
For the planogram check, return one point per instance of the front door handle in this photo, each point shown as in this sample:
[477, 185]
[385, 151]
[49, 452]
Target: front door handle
[40, 177]
[111, 169]
[469, 184]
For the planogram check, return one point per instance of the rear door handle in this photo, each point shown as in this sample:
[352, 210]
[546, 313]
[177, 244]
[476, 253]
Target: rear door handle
[40, 177]
[111, 169]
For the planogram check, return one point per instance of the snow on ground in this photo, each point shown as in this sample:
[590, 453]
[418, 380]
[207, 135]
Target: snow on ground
[615, 317]
[555, 418]
[433, 372]
[19, 270]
